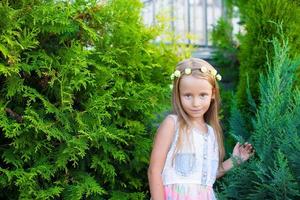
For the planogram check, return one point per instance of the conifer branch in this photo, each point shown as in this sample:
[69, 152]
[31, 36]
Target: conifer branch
[14, 115]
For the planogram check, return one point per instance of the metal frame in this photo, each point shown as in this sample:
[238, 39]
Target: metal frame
[215, 5]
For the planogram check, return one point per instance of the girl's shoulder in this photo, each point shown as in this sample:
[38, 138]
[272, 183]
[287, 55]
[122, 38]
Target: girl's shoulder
[173, 117]
[170, 122]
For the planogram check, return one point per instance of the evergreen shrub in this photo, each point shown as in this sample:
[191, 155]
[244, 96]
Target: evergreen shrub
[273, 173]
[260, 19]
[81, 82]
[225, 52]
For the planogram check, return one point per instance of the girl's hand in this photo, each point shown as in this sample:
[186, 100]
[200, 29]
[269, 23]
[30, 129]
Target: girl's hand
[242, 152]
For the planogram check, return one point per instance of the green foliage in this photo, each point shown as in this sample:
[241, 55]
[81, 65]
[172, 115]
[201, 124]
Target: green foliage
[274, 171]
[225, 53]
[260, 19]
[80, 85]
[224, 57]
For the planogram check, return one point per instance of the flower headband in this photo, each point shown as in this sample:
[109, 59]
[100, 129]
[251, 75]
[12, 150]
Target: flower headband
[203, 69]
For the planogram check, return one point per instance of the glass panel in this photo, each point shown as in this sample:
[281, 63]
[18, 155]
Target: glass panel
[148, 13]
[197, 22]
[193, 19]
[180, 19]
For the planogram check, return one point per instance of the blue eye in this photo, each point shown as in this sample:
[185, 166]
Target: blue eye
[188, 96]
[202, 96]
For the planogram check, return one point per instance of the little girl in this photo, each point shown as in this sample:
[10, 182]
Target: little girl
[188, 150]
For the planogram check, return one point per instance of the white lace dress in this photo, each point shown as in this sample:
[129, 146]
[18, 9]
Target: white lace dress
[191, 172]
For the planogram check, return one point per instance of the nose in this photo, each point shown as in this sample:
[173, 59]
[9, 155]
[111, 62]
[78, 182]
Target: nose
[196, 102]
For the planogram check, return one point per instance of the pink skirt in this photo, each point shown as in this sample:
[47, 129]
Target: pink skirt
[188, 192]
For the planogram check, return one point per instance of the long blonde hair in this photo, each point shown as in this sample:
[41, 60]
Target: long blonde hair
[211, 116]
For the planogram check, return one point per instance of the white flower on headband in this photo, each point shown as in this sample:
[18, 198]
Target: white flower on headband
[187, 71]
[203, 69]
[177, 73]
[172, 76]
[213, 72]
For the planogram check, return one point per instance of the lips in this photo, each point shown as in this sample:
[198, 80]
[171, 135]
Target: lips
[195, 110]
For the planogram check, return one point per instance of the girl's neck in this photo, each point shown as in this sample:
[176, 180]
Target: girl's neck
[200, 125]
[198, 122]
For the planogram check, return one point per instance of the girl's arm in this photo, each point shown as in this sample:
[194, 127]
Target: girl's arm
[241, 153]
[162, 142]
[227, 165]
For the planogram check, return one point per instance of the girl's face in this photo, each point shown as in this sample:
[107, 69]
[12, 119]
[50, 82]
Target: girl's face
[195, 96]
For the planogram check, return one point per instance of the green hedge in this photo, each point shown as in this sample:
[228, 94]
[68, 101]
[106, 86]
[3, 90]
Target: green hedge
[260, 19]
[80, 85]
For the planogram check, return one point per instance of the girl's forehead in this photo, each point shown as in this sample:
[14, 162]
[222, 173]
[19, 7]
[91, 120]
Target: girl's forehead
[192, 83]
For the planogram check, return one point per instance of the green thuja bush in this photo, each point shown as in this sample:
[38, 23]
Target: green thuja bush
[80, 84]
[273, 173]
[260, 19]
[225, 51]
